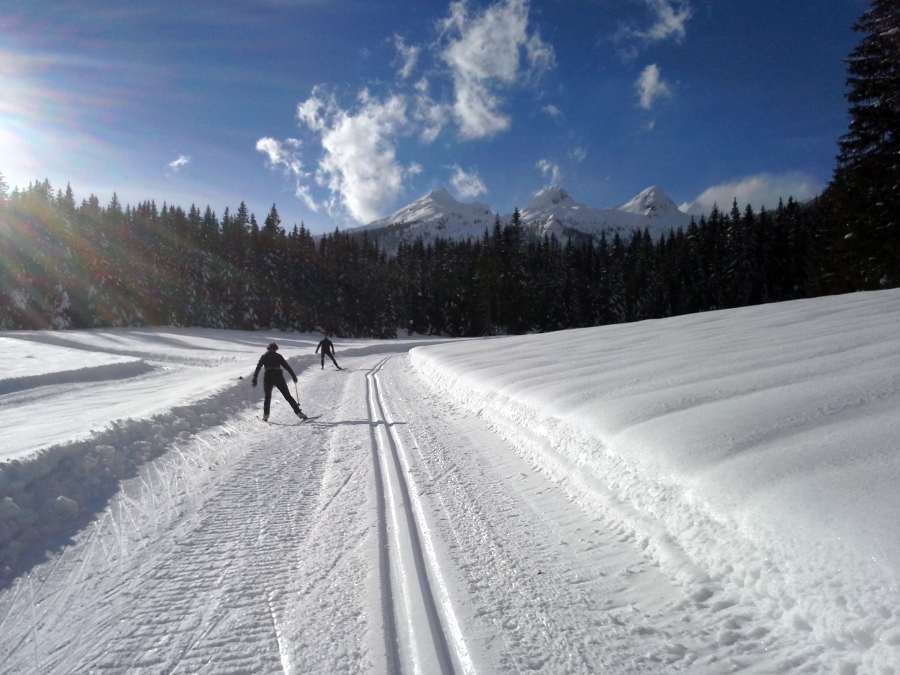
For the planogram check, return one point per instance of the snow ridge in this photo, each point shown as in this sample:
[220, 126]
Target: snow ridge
[759, 480]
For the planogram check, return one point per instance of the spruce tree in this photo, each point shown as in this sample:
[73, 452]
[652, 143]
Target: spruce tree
[859, 247]
[873, 140]
[272, 221]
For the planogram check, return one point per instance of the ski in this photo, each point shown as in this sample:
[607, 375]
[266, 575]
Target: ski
[286, 424]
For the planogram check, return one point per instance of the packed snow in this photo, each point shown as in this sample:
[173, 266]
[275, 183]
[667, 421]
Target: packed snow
[711, 493]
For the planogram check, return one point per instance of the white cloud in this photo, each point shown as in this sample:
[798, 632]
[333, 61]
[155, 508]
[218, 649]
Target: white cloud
[409, 55]
[360, 165]
[467, 185]
[285, 156]
[764, 189]
[553, 111]
[279, 156]
[431, 116]
[180, 162]
[304, 194]
[484, 54]
[671, 18]
[550, 170]
[670, 22]
[578, 154]
[650, 87]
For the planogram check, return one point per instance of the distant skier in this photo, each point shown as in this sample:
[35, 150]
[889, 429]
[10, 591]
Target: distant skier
[273, 377]
[327, 347]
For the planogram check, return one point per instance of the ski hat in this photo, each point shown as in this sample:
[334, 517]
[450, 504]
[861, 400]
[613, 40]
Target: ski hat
[272, 347]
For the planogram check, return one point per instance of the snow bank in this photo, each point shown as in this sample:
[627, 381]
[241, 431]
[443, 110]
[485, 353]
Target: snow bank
[752, 452]
[21, 358]
[26, 365]
[45, 496]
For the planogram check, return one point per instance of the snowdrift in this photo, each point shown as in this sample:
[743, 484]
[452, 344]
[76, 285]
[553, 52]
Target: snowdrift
[753, 452]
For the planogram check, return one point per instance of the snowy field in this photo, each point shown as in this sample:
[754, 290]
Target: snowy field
[712, 493]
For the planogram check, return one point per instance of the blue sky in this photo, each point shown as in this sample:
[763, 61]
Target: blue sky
[341, 111]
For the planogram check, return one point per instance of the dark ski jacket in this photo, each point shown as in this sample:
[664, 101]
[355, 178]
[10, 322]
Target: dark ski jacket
[327, 346]
[273, 361]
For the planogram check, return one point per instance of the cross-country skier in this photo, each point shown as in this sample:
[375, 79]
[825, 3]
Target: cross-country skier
[327, 347]
[273, 377]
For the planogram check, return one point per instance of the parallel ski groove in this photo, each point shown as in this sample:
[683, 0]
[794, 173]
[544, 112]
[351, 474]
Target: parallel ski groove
[426, 648]
[391, 646]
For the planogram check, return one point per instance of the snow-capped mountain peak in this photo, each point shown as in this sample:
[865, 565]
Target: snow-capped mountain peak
[652, 202]
[437, 214]
[551, 211]
[549, 197]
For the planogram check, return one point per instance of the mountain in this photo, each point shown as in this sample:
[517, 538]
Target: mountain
[436, 215]
[553, 211]
[550, 211]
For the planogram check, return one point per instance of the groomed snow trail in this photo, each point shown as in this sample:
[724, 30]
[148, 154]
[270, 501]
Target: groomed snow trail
[395, 534]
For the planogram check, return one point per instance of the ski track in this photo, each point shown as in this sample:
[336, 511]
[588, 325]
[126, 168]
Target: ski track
[394, 535]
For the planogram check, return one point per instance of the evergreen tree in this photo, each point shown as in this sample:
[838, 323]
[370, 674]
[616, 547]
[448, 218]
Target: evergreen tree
[272, 222]
[859, 240]
[873, 140]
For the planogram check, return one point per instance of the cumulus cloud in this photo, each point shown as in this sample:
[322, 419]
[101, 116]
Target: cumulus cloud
[650, 87]
[409, 56]
[359, 165]
[550, 170]
[180, 162]
[484, 53]
[467, 185]
[764, 189]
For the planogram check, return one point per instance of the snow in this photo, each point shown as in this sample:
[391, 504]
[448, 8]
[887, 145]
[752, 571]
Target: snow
[710, 493]
[553, 211]
[550, 211]
[436, 215]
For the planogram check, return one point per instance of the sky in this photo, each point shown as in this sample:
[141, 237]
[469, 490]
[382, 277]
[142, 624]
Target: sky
[339, 112]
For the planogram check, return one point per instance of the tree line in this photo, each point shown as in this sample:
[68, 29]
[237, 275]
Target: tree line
[87, 266]
[68, 266]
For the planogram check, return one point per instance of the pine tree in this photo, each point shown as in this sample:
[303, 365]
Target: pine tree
[873, 141]
[859, 245]
[272, 221]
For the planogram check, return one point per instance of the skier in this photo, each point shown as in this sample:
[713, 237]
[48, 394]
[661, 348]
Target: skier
[274, 362]
[327, 347]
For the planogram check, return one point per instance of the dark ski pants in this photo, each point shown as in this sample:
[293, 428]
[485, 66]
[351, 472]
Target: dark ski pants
[330, 356]
[275, 378]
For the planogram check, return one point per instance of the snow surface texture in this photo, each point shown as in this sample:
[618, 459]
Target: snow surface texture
[550, 212]
[753, 452]
[100, 403]
[708, 494]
